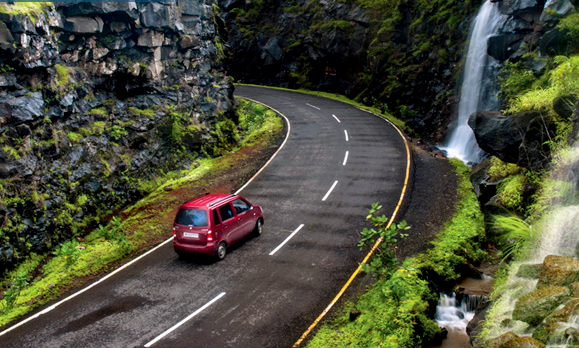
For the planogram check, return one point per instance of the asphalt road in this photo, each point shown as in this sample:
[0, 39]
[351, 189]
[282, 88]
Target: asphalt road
[336, 162]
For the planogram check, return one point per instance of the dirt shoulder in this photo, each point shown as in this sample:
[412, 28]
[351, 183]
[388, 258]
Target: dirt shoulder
[430, 201]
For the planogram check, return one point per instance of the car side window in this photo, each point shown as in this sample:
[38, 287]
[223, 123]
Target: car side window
[216, 218]
[240, 206]
[226, 212]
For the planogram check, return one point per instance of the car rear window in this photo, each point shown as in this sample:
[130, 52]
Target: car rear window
[192, 217]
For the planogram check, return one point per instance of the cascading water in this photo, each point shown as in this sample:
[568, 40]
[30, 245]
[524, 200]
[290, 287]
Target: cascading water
[454, 316]
[557, 233]
[477, 90]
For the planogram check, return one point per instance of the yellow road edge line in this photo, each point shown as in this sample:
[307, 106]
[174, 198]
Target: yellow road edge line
[378, 242]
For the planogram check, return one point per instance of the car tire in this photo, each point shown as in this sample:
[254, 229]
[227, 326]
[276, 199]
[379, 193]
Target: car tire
[258, 228]
[221, 251]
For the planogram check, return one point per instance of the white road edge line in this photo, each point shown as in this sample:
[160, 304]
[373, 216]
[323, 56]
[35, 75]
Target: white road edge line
[346, 134]
[330, 191]
[313, 106]
[48, 309]
[337, 119]
[287, 239]
[346, 158]
[289, 129]
[176, 326]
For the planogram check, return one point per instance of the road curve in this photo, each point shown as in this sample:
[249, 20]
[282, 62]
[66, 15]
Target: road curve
[315, 192]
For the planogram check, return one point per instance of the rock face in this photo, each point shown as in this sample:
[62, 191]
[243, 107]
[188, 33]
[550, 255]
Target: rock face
[519, 139]
[405, 63]
[95, 97]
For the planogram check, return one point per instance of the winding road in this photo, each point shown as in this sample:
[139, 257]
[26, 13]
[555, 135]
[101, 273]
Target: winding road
[315, 192]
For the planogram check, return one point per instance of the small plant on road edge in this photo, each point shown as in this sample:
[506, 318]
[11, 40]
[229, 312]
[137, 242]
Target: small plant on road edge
[385, 260]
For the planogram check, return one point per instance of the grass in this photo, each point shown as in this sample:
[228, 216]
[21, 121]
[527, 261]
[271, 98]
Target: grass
[394, 310]
[43, 278]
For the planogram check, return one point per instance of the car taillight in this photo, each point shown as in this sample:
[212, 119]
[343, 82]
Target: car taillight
[174, 232]
[210, 236]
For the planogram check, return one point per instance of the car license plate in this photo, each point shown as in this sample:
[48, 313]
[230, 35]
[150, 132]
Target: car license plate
[190, 235]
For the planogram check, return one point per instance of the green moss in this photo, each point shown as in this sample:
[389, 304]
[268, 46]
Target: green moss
[31, 9]
[102, 111]
[395, 310]
[74, 137]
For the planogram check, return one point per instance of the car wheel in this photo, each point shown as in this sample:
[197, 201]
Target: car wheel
[221, 251]
[258, 228]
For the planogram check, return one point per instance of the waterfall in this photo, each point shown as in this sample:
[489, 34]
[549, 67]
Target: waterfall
[454, 314]
[478, 89]
[557, 233]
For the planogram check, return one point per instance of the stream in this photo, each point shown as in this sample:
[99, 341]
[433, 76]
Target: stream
[454, 312]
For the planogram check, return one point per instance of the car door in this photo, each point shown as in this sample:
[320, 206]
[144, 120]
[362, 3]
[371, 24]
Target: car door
[244, 218]
[228, 223]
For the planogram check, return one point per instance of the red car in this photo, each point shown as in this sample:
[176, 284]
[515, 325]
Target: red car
[212, 223]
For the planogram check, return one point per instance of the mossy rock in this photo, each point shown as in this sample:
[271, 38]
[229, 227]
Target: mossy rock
[554, 330]
[533, 307]
[523, 342]
[511, 340]
[559, 271]
[532, 271]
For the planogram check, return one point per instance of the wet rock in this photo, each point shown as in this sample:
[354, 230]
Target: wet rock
[532, 308]
[558, 271]
[560, 7]
[532, 271]
[554, 328]
[565, 106]
[519, 139]
[523, 342]
[499, 341]
[84, 25]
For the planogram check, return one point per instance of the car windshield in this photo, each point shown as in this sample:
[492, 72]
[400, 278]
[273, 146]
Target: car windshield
[192, 217]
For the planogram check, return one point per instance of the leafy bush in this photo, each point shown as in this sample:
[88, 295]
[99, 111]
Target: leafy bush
[500, 170]
[515, 233]
[394, 311]
[510, 193]
[514, 79]
[69, 251]
[385, 260]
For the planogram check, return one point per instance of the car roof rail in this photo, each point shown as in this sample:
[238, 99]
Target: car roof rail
[220, 200]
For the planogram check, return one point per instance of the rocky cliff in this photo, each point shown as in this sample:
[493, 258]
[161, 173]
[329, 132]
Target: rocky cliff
[400, 56]
[96, 98]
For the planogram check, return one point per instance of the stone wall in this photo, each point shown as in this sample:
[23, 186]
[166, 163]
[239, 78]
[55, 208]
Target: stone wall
[94, 98]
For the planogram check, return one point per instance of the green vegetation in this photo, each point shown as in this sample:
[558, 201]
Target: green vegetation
[42, 278]
[31, 9]
[394, 311]
[397, 122]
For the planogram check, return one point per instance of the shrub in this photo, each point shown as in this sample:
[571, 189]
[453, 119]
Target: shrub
[510, 193]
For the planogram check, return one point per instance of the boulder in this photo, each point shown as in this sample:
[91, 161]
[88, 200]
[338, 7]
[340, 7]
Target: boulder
[532, 271]
[555, 329]
[554, 42]
[565, 106]
[518, 139]
[6, 38]
[560, 7]
[158, 15]
[503, 45]
[558, 271]
[84, 25]
[533, 307]
[514, 7]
